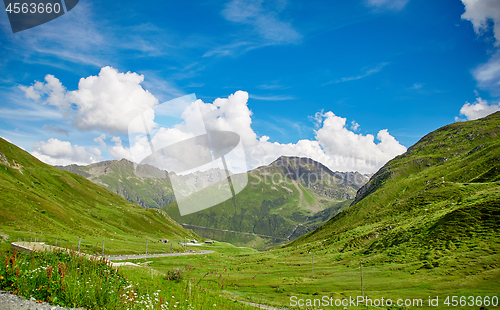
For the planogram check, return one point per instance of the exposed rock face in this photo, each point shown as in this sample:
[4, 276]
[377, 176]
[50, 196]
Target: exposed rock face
[318, 178]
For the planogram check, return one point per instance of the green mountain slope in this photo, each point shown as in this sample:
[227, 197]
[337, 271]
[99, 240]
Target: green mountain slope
[40, 201]
[439, 203]
[276, 205]
[119, 177]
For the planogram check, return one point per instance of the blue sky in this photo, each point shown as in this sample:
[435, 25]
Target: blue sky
[333, 74]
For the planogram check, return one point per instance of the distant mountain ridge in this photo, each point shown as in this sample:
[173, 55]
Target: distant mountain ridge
[107, 173]
[317, 177]
[119, 176]
[278, 202]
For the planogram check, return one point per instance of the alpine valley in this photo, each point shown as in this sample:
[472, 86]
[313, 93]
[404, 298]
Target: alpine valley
[425, 226]
[281, 202]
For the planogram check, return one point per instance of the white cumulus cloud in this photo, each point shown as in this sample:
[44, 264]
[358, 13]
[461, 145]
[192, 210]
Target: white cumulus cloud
[354, 126]
[118, 151]
[480, 12]
[116, 102]
[480, 108]
[108, 101]
[51, 92]
[56, 152]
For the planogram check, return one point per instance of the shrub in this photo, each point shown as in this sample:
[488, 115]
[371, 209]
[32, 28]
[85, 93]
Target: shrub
[175, 274]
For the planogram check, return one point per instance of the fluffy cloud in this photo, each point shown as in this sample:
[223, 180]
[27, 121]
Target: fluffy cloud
[108, 101]
[264, 25]
[354, 126]
[118, 151]
[51, 92]
[116, 102]
[483, 14]
[101, 141]
[6, 139]
[359, 150]
[335, 145]
[480, 108]
[231, 114]
[56, 152]
[479, 12]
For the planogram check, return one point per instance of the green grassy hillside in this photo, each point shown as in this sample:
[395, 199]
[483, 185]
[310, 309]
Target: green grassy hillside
[119, 177]
[407, 213]
[40, 201]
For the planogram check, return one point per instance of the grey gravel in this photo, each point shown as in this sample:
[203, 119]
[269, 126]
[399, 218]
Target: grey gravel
[9, 301]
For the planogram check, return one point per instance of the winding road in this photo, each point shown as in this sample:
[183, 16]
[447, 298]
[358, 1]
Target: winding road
[141, 256]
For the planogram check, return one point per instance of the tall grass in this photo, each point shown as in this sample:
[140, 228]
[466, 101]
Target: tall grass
[70, 280]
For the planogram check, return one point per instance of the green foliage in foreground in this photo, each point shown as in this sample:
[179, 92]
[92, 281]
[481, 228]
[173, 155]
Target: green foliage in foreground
[64, 279]
[68, 279]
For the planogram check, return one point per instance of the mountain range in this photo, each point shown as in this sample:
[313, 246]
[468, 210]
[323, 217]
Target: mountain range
[274, 207]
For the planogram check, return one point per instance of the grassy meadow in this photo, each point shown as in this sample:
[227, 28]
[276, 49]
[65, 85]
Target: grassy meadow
[273, 277]
[233, 274]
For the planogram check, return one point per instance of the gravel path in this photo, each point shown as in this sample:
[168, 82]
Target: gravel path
[9, 301]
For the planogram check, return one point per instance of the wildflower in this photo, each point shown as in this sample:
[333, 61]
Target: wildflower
[49, 273]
